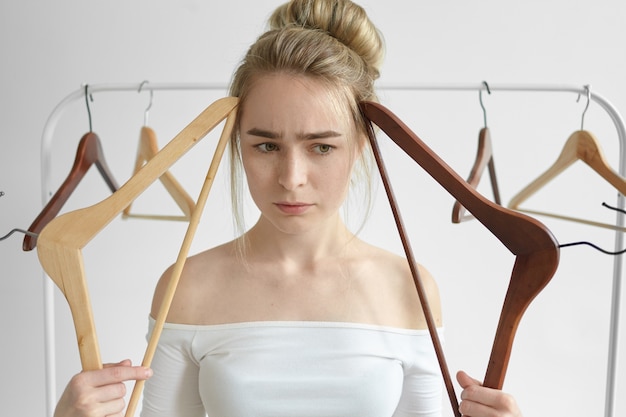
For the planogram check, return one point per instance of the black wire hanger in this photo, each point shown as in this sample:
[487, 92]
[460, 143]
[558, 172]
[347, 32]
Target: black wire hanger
[619, 252]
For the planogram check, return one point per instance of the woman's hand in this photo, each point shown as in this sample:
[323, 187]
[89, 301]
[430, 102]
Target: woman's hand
[479, 401]
[99, 393]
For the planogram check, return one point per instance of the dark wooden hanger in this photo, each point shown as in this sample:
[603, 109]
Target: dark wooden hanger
[484, 158]
[536, 249]
[89, 153]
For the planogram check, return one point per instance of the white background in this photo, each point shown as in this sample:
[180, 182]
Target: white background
[49, 49]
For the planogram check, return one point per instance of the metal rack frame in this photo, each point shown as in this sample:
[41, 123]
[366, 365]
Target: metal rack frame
[46, 192]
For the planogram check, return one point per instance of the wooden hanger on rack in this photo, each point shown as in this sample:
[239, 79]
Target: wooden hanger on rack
[536, 250]
[484, 159]
[61, 241]
[89, 153]
[148, 147]
[584, 146]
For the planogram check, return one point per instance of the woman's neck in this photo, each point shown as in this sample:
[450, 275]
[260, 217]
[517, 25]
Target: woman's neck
[267, 243]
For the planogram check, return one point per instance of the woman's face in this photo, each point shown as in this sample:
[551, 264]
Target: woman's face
[297, 151]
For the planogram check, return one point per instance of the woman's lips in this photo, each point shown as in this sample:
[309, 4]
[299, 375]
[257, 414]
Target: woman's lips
[293, 208]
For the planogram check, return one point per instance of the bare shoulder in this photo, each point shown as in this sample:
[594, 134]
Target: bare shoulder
[393, 279]
[199, 278]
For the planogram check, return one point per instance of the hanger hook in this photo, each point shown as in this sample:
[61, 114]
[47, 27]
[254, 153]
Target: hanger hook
[26, 232]
[480, 98]
[87, 97]
[582, 118]
[147, 110]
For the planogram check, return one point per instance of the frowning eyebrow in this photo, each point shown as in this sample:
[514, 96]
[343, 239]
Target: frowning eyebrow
[320, 135]
[263, 133]
[305, 136]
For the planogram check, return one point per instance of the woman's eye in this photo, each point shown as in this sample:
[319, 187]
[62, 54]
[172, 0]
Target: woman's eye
[267, 147]
[323, 148]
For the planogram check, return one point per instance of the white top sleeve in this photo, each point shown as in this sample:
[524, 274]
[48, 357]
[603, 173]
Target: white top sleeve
[293, 369]
[173, 389]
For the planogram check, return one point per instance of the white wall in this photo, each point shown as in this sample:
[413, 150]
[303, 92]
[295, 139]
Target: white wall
[49, 49]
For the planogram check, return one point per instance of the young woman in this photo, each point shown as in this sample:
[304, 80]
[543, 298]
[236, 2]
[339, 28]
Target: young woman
[298, 316]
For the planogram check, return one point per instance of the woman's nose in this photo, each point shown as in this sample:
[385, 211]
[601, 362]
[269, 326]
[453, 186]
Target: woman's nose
[292, 171]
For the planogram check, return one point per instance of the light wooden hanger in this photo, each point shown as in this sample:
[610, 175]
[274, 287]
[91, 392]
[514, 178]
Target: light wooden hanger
[581, 145]
[536, 250]
[61, 241]
[484, 158]
[148, 147]
[89, 153]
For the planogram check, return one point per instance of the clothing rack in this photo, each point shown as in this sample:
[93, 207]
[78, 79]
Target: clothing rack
[47, 191]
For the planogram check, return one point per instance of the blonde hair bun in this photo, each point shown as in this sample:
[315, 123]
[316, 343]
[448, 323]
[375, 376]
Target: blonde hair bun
[342, 19]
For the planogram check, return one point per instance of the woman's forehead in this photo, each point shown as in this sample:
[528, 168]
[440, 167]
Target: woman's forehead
[286, 99]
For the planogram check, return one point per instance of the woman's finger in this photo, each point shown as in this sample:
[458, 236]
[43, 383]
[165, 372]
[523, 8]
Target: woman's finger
[116, 374]
[479, 401]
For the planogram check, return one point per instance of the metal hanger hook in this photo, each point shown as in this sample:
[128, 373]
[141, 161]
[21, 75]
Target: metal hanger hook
[88, 96]
[582, 118]
[26, 232]
[480, 98]
[147, 110]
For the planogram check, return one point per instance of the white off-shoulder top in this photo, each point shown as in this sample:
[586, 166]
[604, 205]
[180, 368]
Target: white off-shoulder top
[293, 369]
